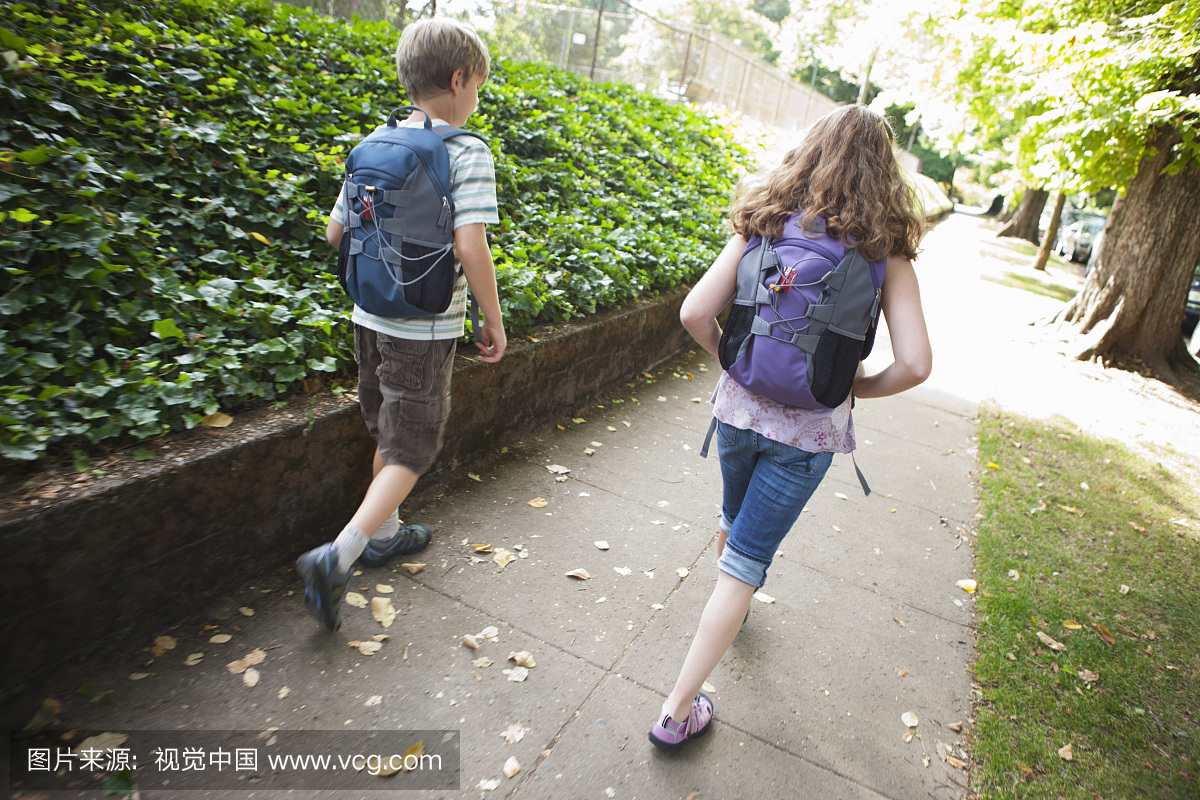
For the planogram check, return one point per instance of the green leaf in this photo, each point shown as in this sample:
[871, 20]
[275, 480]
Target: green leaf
[34, 157]
[167, 329]
[142, 454]
[82, 462]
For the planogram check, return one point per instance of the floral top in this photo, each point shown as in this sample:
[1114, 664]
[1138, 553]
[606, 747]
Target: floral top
[812, 430]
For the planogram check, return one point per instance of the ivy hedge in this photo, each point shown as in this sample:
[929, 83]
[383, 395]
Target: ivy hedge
[165, 173]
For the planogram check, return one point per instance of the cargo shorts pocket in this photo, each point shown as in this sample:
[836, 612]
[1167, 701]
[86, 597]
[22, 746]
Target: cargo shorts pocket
[402, 362]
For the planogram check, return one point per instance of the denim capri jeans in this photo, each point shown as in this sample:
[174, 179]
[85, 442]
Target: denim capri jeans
[766, 486]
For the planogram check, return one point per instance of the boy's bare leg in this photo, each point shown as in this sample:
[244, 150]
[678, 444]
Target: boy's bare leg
[387, 491]
[719, 624]
[721, 537]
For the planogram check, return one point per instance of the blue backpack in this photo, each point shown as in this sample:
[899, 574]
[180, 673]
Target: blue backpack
[397, 253]
[803, 318]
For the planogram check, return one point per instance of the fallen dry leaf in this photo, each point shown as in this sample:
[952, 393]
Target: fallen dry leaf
[1105, 634]
[250, 677]
[217, 420]
[373, 700]
[1049, 642]
[763, 597]
[909, 719]
[512, 766]
[708, 687]
[470, 641]
[516, 674]
[220, 638]
[246, 611]
[954, 762]
[416, 751]
[538, 502]
[161, 645]
[413, 569]
[1065, 752]
[682, 572]
[283, 692]
[558, 469]
[382, 611]
[1089, 676]
[355, 600]
[588, 451]
[899, 622]
[490, 784]
[967, 584]
[602, 545]
[380, 637]
[383, 588]
[1124, 589]
[137, 676]
[484, 548]
[482, 661]
[908, 736]
[955, 726]
[900, 673]
[1025, 768]
[581, 574]
[366, 648]
[523, 658]
[623, 570]
[1071, 625]
[502, 557]
[109, 740]
[514, 734]
[255, 656]
[490, 632]
[193, 659]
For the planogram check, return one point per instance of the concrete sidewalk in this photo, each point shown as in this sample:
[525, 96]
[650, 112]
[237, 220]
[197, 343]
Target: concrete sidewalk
[867, 622]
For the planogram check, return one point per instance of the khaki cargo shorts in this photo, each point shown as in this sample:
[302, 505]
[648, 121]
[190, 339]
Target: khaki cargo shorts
[404, 393]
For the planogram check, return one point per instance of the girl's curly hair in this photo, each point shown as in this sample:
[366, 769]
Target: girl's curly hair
[845, 172]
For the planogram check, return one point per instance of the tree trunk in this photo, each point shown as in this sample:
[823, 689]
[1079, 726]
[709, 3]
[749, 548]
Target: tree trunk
[1132, 301]
[1051, 231]
[1028, 217]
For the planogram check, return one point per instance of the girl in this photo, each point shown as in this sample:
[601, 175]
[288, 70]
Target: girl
[774, 456]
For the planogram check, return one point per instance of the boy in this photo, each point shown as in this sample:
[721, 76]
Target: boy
[405, 364]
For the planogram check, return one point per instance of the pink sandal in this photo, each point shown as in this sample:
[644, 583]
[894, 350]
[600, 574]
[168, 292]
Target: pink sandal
[667, 734]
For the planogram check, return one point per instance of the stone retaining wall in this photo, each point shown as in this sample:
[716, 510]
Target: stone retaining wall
[107, 566]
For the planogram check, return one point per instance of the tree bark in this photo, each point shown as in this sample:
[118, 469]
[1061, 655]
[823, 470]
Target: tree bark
[1027, 220]
[1051, 230]
[1131, 303]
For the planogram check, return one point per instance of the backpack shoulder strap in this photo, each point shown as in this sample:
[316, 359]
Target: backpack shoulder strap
[448, 132]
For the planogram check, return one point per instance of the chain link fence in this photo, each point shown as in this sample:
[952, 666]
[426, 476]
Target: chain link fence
[611, 40]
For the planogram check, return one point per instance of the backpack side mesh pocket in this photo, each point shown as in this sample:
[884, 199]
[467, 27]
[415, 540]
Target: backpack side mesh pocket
[737, 328]
[834, 365]
[428, 279]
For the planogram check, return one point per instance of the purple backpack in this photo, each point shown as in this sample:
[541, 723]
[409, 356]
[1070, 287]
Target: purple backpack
[803, 318]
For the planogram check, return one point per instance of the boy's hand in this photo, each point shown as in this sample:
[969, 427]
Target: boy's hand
[492, 341]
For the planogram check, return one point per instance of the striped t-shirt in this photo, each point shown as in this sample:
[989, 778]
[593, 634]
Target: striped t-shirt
[473, 190]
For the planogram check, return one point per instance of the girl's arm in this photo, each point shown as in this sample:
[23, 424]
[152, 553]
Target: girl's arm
[906, 327]
[711, 294]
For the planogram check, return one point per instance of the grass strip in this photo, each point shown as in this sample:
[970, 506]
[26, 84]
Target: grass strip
[1086, 547]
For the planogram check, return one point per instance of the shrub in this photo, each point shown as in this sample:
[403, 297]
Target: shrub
[165, 174]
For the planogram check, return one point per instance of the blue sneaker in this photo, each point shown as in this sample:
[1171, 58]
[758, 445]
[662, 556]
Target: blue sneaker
[324, 588]
[408, 540]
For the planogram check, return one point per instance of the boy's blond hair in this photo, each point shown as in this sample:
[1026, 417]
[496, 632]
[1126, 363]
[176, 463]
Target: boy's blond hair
[431, 50]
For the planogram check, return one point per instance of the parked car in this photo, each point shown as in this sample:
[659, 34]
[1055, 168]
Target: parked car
[1075, 240]
[1191, 310]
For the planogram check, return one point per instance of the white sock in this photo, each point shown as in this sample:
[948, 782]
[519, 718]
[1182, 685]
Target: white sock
[349, 543]
[666, 712]
[389, 528]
